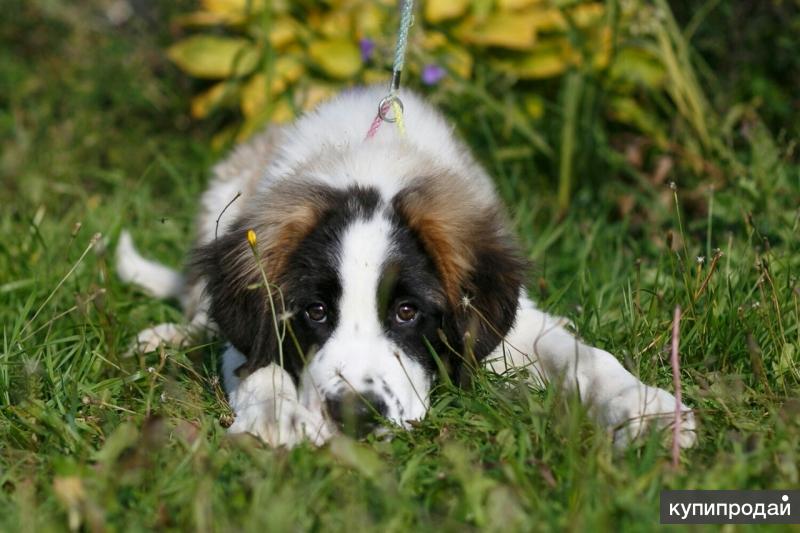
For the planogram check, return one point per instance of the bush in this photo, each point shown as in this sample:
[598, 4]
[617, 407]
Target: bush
[582, 72]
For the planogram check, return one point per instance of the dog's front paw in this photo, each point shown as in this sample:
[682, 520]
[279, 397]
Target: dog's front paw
[266, 404]
[150, 339]
[639, 408]
[281, 422]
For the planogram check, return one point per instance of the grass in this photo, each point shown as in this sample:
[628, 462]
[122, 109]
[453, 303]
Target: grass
[95, 135]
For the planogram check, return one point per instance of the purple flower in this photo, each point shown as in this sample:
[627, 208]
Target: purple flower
[432, 74]
[367, 46]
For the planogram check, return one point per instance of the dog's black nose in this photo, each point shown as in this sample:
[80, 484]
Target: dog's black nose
[356, 414]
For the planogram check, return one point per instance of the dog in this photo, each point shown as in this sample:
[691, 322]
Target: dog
[346, 273]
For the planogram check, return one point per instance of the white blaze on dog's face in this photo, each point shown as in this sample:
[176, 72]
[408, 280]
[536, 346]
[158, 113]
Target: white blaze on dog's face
[360, 362]
[371, 290]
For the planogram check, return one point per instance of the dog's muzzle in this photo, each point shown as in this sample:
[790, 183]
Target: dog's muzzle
[356, 414]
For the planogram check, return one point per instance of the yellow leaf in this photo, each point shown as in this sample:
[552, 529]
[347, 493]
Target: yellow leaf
[253, 98]
[336, 58]
[209, 100]
[314, 20]
[548, 19]
[209, 56]
[251, 126]
[228, 6]
[432, 40]
[506, 30]
[636, 65]
[345, 4]
[279, 113]
[282, 32]
[440, 10]
[315, 94]
[585, 15]
[534, 105]
[545, 61]
[286, 71]
[540, 66]
[230, 12]
[458, 60]
[553, 19]
[336, 24]
[369, 21]
[602, 51]
[200, 18]
[374, 76]
[508, 5]
[295, 50]
[289, 69]
[282, 113]
[235, 12]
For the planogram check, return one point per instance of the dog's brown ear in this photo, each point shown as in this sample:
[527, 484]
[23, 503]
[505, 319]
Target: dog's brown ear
[234, 278]
[237, 299]
[478, 260]
[490, 293]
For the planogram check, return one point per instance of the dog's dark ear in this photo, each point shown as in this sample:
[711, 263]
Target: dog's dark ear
[237, 300]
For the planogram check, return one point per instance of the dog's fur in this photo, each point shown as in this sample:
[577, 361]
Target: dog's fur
[377, 264]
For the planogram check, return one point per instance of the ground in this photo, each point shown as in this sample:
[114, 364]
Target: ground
[96, 137]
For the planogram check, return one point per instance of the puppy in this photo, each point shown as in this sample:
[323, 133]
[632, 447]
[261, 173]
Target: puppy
[345, 273]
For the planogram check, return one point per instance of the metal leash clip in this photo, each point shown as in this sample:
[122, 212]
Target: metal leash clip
[388, 102]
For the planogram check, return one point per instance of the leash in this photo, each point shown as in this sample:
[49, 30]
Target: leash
[391, 102]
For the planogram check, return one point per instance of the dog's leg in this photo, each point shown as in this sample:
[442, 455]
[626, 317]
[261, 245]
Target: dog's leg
[163, 282]
[265, 404]
[172, 334]
[154, 278]
[616, 398]
[157, 280]
[167, 334]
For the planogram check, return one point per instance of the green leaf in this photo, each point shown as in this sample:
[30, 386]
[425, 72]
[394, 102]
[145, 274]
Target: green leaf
[440, 10]
[285, 72]
[212, 57]
[545, 61]
[505, 30]
[336, 58]
[573, 92]
[627, 111]
[356, 456]
[636, 65]
[211, 99]
[124, 436]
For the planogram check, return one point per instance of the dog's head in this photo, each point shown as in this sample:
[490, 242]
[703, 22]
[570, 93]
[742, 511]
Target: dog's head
[370, 297]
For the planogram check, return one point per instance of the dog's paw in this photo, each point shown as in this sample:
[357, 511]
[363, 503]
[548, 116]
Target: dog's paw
[638, 409]
[266, 405]
[282, 422]
[150, 339]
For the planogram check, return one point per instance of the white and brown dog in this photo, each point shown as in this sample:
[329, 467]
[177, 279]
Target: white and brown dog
[378, 264]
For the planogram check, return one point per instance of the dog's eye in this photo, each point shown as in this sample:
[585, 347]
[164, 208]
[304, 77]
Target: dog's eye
[317, 312]
[405, 313]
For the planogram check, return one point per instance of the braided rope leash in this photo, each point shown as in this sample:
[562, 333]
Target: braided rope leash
[392, 101]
